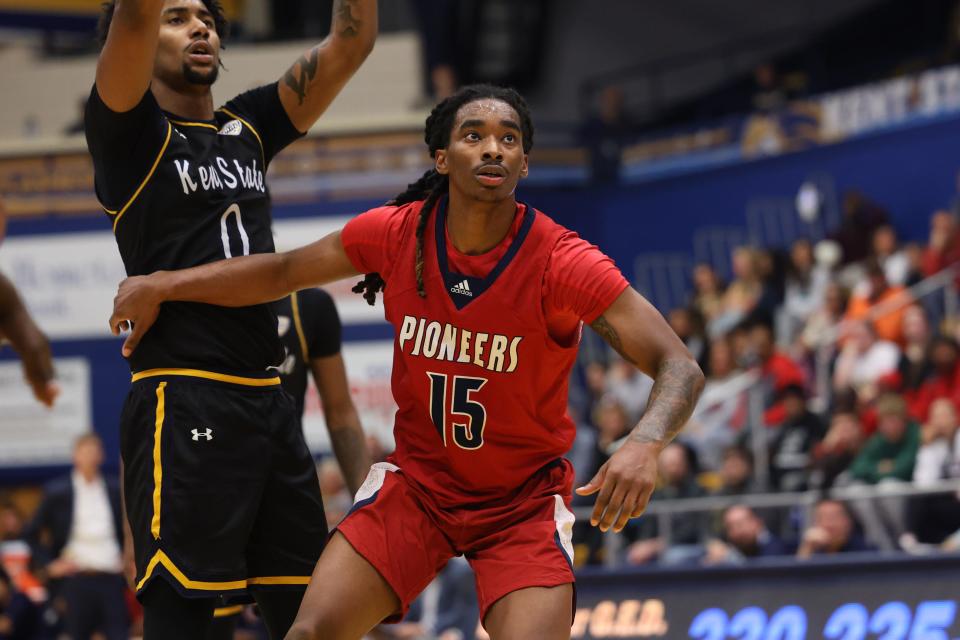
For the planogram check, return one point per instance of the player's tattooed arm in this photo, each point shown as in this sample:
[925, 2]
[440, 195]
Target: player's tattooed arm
[315, 78]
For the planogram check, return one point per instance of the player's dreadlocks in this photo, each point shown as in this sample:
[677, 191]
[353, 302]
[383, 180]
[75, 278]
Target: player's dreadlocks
[220, 22]
[432, 186]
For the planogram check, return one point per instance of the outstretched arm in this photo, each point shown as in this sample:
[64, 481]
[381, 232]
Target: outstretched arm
[343, 422]
[315, 79]
[125, 67]
[237, 282]
[639, 333]
[18, 327]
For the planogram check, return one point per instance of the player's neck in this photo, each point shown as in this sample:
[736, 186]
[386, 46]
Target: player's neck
[476, 227]
[192, 106]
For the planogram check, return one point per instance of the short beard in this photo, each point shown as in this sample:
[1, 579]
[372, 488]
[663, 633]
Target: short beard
[195, 77]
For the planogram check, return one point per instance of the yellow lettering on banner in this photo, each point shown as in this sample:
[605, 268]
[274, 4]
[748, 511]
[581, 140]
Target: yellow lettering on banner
[580, 621]
[653, 619]
[601, 622]
[627, 615]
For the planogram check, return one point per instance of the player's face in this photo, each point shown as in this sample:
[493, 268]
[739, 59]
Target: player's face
[188, 52]
[485, 158]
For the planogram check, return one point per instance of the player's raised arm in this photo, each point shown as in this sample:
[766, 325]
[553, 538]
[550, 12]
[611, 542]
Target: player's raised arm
[126, 62]
[238, 282]
[315, 79]
[18, 327]
[640, 334]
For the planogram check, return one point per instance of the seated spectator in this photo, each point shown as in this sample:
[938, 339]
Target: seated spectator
[678, 480]
[708, 292]
[688, 325]
[722, 410]
[891, 258]
[914, 366]
[932, 518]
[742, 294]
[777, 369]
[864, 361]
[833, 531]
[333, 489]
[16, 556]
[890, 454]
[943, 382]
[745, 536]
[19, 617]
[943, 248]
[736, 473]
[817, 330]
[876, 292]
[806, 287]
[792, 446]
[629, 386]
[840, 446]
[860, 218]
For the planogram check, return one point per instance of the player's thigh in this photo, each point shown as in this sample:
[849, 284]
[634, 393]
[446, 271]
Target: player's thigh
[346, 597]
[535, 612]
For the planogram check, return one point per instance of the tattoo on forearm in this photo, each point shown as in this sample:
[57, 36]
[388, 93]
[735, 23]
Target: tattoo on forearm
[345, 23]
[302, 72]
[673, 397]
[608, 333]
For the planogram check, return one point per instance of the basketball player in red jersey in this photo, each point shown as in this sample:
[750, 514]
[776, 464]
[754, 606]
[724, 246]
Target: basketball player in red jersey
[487, 297]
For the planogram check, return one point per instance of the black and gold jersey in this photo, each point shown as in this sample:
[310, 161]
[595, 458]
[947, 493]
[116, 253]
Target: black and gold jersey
[181, 193]
[309, 327]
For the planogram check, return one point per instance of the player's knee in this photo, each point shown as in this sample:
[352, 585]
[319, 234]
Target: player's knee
[300, 631]
[317, 629]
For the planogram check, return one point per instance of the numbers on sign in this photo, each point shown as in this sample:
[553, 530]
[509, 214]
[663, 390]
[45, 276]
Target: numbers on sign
[892, 620]
[789, 623]
[933, 619]
[748, 624]
[710, 624]
[849, 622]
[234, 210]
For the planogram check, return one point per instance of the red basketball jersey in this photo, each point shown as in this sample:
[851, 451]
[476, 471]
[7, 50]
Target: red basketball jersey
[480, 384]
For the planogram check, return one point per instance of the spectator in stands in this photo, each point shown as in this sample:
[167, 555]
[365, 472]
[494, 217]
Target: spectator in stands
[806, 288]
[736, 473]
[914, 367]
[876, 292]
[742, 295]
[438, 24]
[864, 361]
[708, 292]
[629, 387]
[943, 381]
[833, 456]
[891, 258]
[769, 95]
[15, 555]
[78, 529]
[605, 133]
[722, 410]
[934, 517]
[943, 248]
[678, 480]
[818, 326]
[688, 325]
[19, 617]
[890, 453]
[333, 488]
[745, 536]
[833, 531]
[777, 369]
[861, 217]
[792, 446]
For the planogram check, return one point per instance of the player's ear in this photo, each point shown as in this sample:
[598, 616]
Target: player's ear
[524, 167]
[440, 162]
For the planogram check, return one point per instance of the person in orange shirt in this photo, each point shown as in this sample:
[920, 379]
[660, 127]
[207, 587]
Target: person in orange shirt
[889, 325]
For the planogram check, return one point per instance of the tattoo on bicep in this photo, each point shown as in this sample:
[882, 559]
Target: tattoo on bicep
[299, 75]
[344, 21]
[672, 400]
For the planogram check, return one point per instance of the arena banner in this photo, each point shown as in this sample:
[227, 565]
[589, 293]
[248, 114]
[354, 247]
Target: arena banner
[870, 598]
[34, 435]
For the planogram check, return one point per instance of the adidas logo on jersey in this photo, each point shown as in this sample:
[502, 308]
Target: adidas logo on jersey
[463, 288]
[232, 128]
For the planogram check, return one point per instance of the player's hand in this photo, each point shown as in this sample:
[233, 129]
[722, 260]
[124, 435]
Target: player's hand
[625, 483]
[38, 368]
[135, 309]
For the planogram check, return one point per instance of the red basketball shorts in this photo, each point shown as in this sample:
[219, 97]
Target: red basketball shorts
[525, 542]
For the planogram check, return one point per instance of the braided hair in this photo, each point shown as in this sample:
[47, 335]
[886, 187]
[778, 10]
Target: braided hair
[432, 186]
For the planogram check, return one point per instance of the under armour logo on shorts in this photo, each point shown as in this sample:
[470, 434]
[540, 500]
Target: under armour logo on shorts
[206, 434]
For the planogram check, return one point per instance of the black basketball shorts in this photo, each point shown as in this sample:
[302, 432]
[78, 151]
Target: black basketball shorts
[220, 488]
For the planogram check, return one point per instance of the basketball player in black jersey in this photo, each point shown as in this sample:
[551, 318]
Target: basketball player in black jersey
[220, 488]
[309, 328]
